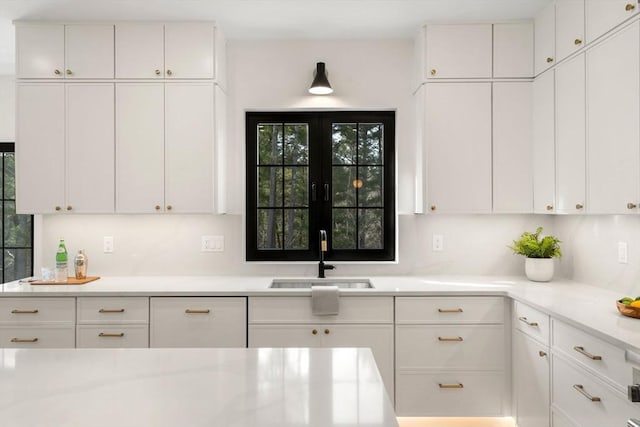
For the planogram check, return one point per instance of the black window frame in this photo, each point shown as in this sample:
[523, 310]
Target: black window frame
[320, 167]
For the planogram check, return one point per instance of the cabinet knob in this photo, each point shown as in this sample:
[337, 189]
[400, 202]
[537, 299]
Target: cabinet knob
[169, 73]
[433, 207]
[433, 71]
[542, 353]
[577, 42]
[69, 208]
[327, 331]
[58, 208]
[579, 206]
[169, 207]
[56, 72]
[629, 7]
[314, 332]
[549, 207]
[549, 59]
[69, 72]
[158, 72]
[157, 207]
[631, 206]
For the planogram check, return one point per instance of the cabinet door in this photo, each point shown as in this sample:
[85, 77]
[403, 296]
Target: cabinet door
[455, 51]
[139, 51]
[90, 148]
[189, 50]
[531, 381]
[545, 39]
[544, 179]
[513, 50]
[602, 15]
[89, 51]
[139, 147]
[40, 158]
[458, 138]
[189, 144]
[613, 131]
[220, 150]
[512, 172]
[39, 51]
[285, 336]
[570, 136]
[569, 27]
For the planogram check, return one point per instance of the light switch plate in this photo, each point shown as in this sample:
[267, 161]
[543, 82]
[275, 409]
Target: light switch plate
[438, 243]
[212, 243]
[108, 244]
[623, 256]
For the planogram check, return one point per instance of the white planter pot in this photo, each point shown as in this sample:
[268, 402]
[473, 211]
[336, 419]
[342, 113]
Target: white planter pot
[539, 269]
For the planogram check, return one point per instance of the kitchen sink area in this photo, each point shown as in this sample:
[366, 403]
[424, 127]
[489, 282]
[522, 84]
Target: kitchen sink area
[354, 283]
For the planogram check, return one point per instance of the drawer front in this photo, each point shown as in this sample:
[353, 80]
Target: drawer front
[457, 394]
[598, 355]
[38, 337]
[98, 336]
[450, 310]
[113, 310]
[532, 322]
[298, 310]
[471, 347]
[198, 322]
[25, 311]
[573, 391]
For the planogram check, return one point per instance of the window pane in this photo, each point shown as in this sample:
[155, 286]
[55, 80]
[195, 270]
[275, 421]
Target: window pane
[269, 144]
[344, 229]
[343, 182]
[370, 193]
[270, 229]
[343, 137]
[270, 186]
[17, 264]
[17, 228]
[370, 141]
[296, 229]
[370, 233]
[296, 144]
[296, 185]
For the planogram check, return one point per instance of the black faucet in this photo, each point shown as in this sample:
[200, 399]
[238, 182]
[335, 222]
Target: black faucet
[323, 248]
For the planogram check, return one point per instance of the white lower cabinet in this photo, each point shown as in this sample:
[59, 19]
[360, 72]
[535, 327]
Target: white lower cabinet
[198, 322]
[112, 336]
[531, 371]
[112, 322]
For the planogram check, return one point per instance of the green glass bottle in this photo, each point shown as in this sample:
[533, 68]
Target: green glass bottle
[62, 266]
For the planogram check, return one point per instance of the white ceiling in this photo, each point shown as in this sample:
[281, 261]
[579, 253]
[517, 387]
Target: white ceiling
[269, 19]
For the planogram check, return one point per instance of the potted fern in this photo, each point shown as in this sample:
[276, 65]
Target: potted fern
[540, 252]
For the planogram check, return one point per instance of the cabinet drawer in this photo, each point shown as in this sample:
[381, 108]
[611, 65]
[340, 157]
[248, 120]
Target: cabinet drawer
[198, 322]
[38, 337]
[24, 311]
[450, 310]
[575, 391]
[113, 310]
[598, 355]
[457, 394]
[97, 336]
[298, 310]
[450, 347]
[532, 322]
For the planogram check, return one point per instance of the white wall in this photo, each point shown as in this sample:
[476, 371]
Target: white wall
[7, 109]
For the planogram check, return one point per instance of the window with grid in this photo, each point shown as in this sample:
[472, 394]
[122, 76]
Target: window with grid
[17, 230]
[312, 171]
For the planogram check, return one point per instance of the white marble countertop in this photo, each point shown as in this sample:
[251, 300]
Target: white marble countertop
[588, 307]
[195, 387]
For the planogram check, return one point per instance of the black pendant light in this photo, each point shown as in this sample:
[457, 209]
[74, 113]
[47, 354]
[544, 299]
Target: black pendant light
[320, 85]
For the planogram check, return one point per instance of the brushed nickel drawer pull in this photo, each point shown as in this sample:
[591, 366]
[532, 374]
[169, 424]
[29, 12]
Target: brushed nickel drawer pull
[192, 311]
[16, 311]
[111, 310]
[582, 391]
[457, 385]
[24, 339]
[109, 335]
[449, 310]
[445, 339]
[524, 320]
[582, 351]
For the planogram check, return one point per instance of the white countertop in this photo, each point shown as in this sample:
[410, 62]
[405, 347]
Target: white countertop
[585, 306]
[194, 387]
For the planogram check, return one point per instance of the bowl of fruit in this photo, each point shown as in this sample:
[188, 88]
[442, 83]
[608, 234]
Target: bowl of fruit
[629, 306]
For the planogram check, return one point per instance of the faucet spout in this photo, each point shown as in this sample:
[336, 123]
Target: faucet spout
[323, 248]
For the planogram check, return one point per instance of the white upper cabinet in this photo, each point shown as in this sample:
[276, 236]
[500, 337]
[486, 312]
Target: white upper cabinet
[613, 129]
[171, 51]
[458, 51]
[602, 15]
[545, 39]
[513, 50]
[570, 136]
[569, 27]
[55, 51]
[544, 179]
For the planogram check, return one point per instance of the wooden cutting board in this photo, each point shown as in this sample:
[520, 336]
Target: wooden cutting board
[70, 281]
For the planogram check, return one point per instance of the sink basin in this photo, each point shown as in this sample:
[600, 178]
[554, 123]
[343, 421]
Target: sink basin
[307, 283]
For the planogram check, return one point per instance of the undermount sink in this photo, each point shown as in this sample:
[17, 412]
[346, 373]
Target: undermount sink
[308, 283]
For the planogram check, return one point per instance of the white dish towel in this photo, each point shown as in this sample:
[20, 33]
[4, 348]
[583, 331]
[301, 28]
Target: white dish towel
[324, 300]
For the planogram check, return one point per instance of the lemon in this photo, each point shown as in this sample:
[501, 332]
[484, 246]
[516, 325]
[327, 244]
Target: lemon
[635, 303]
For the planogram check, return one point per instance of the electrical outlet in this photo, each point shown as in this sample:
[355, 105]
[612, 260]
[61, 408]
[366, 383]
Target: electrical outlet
[212, 243]
[623, 256]
[438, 243]
[108, 245]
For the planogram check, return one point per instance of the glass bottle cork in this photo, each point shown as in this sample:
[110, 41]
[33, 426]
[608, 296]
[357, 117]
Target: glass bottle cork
[80, 265]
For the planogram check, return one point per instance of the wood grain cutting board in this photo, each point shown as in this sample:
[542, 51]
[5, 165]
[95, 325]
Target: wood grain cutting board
[70, 281]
